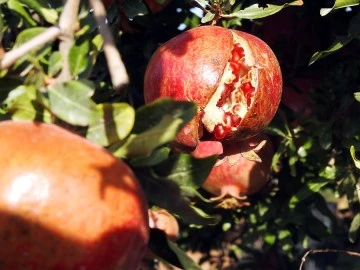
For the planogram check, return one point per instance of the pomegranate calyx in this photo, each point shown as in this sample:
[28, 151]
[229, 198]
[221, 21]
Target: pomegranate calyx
[252, 155]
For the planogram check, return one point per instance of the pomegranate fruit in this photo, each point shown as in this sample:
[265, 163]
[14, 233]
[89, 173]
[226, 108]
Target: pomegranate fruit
[66, 203]
[235, 174]
[233, 77]
[163, 220]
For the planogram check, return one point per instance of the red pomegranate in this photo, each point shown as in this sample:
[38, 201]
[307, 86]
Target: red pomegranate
[66, 203]
[163, 220]
[237, 173]
[233, 77]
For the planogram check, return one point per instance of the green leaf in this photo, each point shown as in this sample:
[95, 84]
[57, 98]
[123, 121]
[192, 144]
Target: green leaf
[150, 115]
[256, 11]
[79, 57]
[71, 102]
[208, 17]
[55, 63]
[114, 124]
[357, 96]
[309, 189]
[184, 169]
[133, 8]
[26, 103]
[337, 45]
[41, 7]
[352, 153]
[169, 252]
[157, 156]
[28, 34]
[17, 8]
[354, 228]
[339, 4]
[145, 143]
[167, 195]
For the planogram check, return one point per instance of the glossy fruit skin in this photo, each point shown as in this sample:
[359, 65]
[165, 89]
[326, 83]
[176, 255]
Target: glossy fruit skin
[233, 175]
[190, 67]
[66, 203]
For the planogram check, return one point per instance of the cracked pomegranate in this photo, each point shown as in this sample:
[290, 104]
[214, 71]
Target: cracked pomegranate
[237, 172]
[66, 203]
[233, 77]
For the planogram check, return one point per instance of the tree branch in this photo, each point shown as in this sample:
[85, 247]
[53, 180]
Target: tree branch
[303, 259]
[68, 23]
[117, 70]
[12, 56]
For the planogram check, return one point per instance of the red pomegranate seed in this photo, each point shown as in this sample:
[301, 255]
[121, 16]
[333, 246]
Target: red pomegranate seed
[235, 120]
[219, 132]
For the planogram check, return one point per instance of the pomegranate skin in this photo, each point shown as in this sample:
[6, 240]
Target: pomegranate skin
[233, 175]
[66, 203]
[191, 66]
[162, 220]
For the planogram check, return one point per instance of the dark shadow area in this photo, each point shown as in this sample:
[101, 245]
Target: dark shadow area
[28, 244]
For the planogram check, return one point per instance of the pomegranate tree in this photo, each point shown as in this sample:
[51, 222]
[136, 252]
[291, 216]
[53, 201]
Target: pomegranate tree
[233, 77]
[237, 172]
[66, 203]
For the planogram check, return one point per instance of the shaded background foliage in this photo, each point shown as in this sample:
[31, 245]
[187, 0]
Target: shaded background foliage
[312, 198]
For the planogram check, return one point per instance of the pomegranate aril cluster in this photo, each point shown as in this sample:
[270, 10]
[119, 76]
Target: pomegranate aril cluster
[239, 69]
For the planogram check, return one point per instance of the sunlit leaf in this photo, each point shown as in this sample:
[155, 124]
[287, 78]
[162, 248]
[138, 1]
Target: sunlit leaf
[151, 114]
[356, 161]
[337, 44]
[42, 8]
[256, 11]
[78, 57]
[17, 8]
[208, 17]
[357, 96]
[115, 123]
[26, 103]
[55, 63]
[144, 143]
[71, 102]
[309, 189]
[339, 4]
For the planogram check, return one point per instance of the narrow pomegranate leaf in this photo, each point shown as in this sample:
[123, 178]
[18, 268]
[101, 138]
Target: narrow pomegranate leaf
[169, 252]
[143, 144]
[157, 156]
[79, 57]
[42, 8]
[115, 122]
[352, 153]
[71, 102]
[310, 188]
[166, 194]
[188, 172]
[151, 114]
[357, 96]
[208, 17]
[18, 9]
[354, 228]
[27, 103]
[339, 4]
[256, 11]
